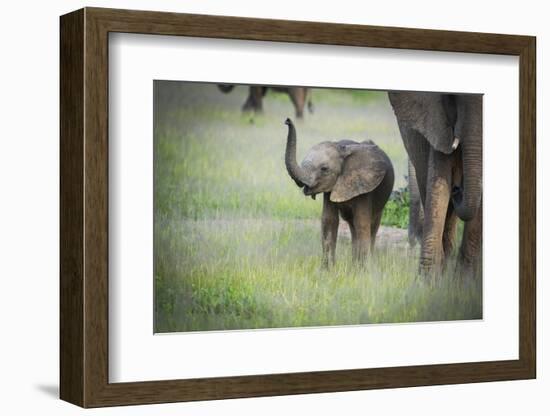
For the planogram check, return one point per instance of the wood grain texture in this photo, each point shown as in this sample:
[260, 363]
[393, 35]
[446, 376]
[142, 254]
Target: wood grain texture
[228, 27]
[528, 207]
[71, 213]
[96, 209]
[84, 207]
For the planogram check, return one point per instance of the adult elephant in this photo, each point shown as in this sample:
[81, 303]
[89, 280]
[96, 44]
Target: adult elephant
[254, 102]
[442, 134]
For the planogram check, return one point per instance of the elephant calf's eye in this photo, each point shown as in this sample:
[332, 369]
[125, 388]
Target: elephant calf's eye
[324, 169]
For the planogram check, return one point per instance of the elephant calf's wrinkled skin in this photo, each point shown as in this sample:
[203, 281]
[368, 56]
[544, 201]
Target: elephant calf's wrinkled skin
[356, 180]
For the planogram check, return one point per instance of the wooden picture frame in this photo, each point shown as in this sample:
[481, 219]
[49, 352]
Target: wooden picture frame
[84, 207]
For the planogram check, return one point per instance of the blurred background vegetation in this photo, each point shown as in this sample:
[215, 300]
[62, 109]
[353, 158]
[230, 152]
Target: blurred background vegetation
[237, 245]
[213, 160]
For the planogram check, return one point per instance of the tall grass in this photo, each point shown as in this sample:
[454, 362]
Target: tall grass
[236, 244]
[218, 274]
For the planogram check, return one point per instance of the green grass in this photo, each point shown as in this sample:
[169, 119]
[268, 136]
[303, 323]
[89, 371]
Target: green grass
[267, 274]
[237, 245]
[396, 211]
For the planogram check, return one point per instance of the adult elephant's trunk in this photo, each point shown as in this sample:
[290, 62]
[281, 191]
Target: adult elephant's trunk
[295, 171]
[468, 129]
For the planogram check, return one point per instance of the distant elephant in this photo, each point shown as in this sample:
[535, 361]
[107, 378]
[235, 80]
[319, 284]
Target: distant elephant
[442, 134]
[298, 95]
[356, 180]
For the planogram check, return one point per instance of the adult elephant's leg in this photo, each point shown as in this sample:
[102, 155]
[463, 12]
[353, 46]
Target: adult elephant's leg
[451, 222]
[329, 230]
[419, 151]
[449, 233]
[298, 97]
[254, 100]
[438, 193]
[470, 249]
[416, 212]
[308, 99]
[257, 94]
[249, 103]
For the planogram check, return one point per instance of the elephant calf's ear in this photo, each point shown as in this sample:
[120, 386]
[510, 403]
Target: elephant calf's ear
[363, 170]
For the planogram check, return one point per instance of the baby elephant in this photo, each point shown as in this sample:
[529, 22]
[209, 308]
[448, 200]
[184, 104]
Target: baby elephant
[356, 180]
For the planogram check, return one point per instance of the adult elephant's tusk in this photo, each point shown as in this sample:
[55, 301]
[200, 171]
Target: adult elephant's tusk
[456, 142]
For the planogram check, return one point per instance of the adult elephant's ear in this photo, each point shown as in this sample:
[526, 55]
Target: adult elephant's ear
[432, 115]
[364, 167]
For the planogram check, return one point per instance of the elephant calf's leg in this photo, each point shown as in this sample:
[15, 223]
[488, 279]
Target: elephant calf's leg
[375, 225]
[329, 230]
[362, 222]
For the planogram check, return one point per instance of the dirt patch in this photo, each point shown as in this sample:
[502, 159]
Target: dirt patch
[387, 236]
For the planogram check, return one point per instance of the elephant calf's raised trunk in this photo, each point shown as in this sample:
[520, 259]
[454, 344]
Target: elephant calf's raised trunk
[295, 171]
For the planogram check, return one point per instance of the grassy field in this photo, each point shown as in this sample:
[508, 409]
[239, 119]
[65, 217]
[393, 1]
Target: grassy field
[237, 245]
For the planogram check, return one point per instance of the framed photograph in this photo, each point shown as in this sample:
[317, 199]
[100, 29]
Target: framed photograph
[255, 207]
